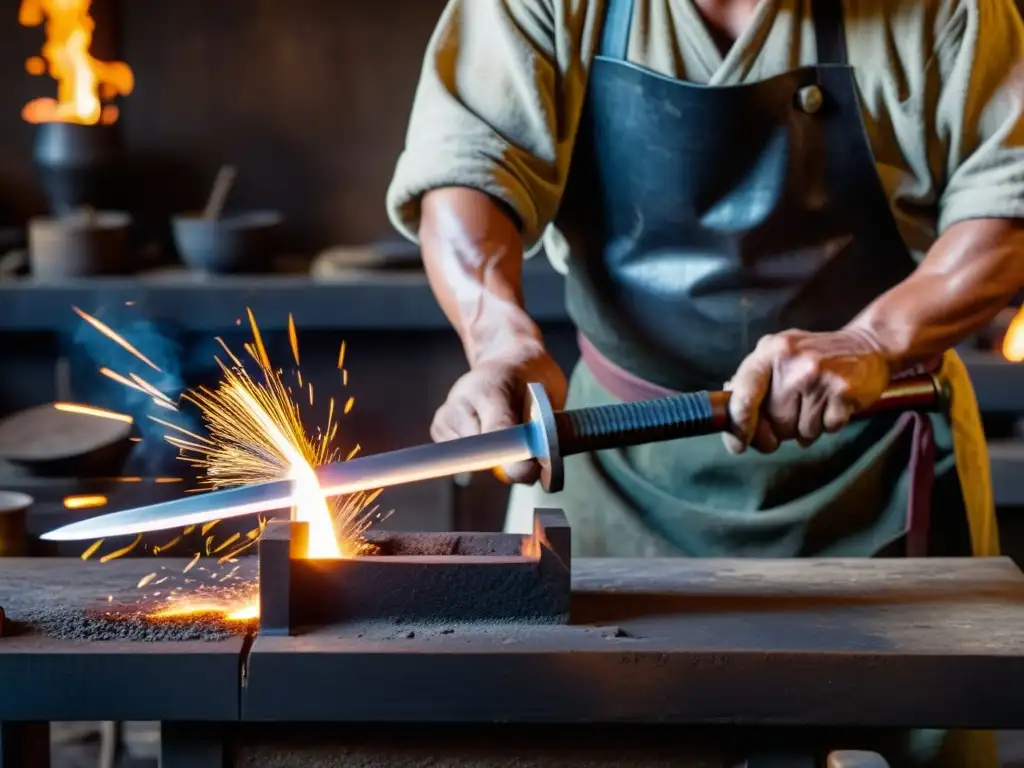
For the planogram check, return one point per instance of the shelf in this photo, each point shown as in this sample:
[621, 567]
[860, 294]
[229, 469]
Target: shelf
[362, 300]
[998, 383]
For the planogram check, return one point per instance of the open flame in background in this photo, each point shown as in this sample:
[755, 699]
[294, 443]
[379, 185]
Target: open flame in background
[83, 83]
[1013, 341]
[254, 433]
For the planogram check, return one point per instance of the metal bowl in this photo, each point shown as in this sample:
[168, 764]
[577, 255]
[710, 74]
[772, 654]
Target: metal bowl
[235, 243]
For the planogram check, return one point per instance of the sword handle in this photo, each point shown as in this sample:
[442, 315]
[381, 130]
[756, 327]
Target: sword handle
[703, 413]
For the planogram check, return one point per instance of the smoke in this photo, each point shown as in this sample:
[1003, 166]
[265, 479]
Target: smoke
[88, 351]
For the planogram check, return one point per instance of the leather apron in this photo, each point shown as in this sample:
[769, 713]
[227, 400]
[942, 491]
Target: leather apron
[700, 219]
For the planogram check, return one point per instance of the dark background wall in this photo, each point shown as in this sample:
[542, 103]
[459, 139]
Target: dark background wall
[309, 98]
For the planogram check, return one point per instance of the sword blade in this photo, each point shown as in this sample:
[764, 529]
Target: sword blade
[408, 465]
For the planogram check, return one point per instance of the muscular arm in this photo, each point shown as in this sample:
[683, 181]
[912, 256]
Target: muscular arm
[797, 384]
[473, 254]
[968, 276]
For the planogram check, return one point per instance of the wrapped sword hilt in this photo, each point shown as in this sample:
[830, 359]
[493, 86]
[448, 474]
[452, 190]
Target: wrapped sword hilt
[691, 414]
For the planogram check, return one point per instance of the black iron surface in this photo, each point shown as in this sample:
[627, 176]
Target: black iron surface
[804, 643]
[418, 577]
[825, 643]
[52, 668]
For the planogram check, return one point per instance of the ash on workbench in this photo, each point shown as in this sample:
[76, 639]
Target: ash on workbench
[72, 600]
[390, 544]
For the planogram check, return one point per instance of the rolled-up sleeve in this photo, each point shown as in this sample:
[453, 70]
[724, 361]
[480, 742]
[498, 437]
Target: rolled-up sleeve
[980, 112]
[491, 112]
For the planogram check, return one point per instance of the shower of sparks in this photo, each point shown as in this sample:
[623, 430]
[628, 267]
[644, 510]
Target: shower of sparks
[88, 410]
[84, 502]
[254, 433]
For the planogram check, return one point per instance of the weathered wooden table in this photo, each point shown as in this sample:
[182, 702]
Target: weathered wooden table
[794, 646]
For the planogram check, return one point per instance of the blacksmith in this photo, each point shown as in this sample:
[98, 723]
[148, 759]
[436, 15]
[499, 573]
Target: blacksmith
[801, 199]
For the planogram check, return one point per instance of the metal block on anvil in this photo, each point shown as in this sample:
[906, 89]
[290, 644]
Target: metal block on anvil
[427, 577]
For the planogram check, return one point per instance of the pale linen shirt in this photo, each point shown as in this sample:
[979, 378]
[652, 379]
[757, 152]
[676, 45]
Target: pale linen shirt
[941, 84]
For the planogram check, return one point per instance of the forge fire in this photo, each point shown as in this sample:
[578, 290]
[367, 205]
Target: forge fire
[83, 82]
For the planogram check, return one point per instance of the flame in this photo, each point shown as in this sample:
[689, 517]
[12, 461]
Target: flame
[1013, 341]
[82, 81]
[226, 610]
[84, 502]
[310, 504]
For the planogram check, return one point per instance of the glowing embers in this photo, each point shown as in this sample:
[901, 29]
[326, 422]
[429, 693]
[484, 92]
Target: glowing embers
[426, 577]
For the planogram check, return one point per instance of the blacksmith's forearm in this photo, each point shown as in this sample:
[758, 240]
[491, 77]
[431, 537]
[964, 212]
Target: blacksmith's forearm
[968, 276]
[473, 255]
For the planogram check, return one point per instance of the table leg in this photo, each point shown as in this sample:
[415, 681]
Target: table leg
[111, 736]
[191, 745]
[24, 745]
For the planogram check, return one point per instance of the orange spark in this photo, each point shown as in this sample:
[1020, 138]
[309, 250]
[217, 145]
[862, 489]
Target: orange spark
[170, 425]
[84, 501]
[149, 389]
[158, 548]
[109, 332]
[349, 403]
[230, 354]
[293, 337]
[264, 359]
[92, 549]
[121, 552]
[88, 410]
[121, 380]
[227, 542]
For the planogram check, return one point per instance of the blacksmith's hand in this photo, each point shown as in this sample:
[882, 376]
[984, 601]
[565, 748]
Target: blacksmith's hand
[797, 385]
[493, 395]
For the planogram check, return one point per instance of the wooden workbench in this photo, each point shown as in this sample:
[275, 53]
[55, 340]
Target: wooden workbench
[815, 644]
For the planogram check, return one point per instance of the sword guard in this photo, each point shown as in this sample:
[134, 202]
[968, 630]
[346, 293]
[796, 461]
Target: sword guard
[541, 416]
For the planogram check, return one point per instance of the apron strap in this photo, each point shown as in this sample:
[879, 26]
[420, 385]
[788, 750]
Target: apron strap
[829, 31]
[618, 18]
